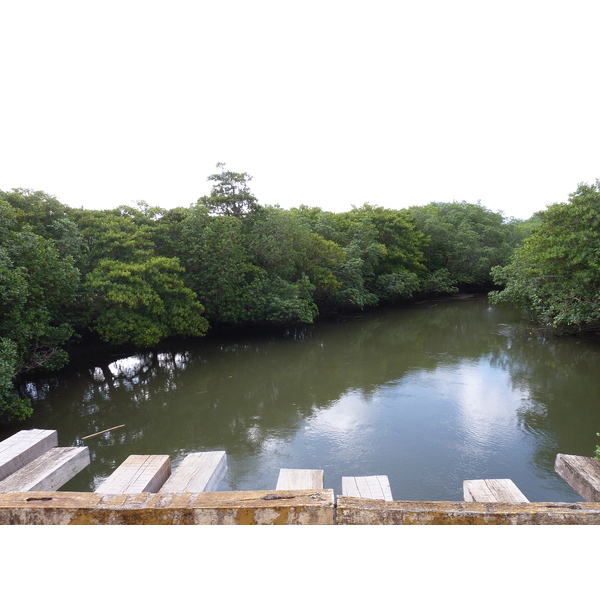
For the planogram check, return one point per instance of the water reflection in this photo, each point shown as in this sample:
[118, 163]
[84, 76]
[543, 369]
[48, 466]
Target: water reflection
[428, 395]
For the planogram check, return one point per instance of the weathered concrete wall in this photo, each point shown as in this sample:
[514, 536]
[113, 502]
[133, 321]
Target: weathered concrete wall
[306, 507]
[310, 507]
[359, 511]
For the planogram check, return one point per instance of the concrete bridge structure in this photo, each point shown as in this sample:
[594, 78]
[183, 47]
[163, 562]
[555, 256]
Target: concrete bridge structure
[144, 490]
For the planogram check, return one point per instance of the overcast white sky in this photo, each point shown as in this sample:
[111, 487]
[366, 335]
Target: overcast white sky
[324, 103]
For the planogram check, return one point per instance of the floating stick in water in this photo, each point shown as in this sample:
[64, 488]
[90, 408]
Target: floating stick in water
[99, 432]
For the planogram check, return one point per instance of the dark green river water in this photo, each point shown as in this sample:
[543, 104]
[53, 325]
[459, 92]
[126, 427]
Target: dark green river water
[429, 395]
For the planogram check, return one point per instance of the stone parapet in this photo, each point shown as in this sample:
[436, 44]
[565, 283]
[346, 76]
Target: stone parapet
[303, 507]
[364, 511]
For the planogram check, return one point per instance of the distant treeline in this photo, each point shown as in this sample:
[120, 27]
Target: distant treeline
[138, 275]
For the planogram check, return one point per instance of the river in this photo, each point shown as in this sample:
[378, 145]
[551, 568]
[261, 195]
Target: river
[429, 395]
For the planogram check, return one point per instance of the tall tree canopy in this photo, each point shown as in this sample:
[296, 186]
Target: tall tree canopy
[230, 194]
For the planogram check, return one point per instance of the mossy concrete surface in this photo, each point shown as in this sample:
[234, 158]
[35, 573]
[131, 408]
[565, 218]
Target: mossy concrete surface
[303, 507]
[361, 511]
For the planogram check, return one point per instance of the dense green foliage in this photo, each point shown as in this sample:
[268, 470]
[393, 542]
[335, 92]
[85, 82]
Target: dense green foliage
[466, 241]
[130, 293]
[555, 273]
[38, 288]
[138, 275]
